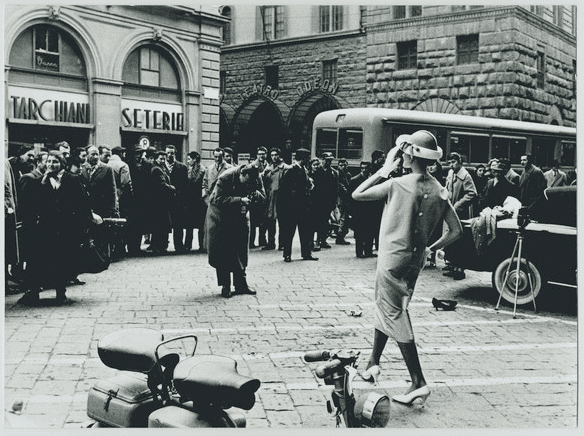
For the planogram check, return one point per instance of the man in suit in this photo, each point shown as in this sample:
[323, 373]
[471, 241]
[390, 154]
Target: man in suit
[271, 177]
[555, 176]
[162, 196]
[124, 191]
[213, 172]
[292, 205]
[179, 178]
[343, 201]
[532, 183]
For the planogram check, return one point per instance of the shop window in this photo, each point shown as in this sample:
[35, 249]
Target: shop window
[407, 55]
[150, 66]
[329, 70]
[272, 76]
[540, 69]
[273, 22]
[415, 11]
[47, 49]
[467, 49]
[330, 18]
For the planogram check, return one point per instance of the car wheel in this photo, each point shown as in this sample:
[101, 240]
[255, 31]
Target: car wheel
[527, 290]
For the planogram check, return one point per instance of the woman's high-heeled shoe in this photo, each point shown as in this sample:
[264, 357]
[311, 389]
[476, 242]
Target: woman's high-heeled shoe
[421, 393]
[371, 374]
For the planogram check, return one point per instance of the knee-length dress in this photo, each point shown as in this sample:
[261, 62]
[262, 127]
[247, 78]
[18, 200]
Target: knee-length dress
[415, 205]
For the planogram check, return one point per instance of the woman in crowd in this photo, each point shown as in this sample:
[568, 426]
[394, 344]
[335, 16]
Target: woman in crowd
[64, 216]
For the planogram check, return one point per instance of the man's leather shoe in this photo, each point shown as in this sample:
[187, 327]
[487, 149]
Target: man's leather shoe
[247, 290]
[287, 259]
[309, 258]
[76, 281]
[325, 245]
[225, 292]
[342, 242]
[269, 247]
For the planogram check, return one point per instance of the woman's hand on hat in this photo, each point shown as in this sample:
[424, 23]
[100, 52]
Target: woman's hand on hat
[391, 163]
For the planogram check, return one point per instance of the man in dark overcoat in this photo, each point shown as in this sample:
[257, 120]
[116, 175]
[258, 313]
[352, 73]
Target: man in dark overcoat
[498, 188]
[139, 217]
[162, 196]
[227, 226]
[293, 207]
[532, 183]
[364, 215]
[101, 185]
[179, 178]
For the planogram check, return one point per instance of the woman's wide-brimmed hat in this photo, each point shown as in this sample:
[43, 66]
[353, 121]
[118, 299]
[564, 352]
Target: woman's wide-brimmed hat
[422, 144]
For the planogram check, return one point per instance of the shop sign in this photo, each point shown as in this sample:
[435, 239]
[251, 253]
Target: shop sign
[154, 116]
[42, 105]
[317, 84]
[263, 90]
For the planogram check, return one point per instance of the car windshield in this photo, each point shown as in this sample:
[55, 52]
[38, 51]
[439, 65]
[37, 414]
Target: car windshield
[559, 207]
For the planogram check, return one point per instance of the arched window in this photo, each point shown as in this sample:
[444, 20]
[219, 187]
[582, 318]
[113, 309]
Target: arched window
[150, 66]
[47, 55]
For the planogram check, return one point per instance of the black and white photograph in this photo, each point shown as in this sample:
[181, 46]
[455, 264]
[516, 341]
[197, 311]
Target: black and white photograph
[293, 216]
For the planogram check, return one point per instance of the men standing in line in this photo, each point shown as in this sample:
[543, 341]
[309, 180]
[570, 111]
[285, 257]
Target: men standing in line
[555, 176]
[179, 178]
[363, 214]
[532, 182]
[162, 196]
[329, 190]
[271, 178]
[228, 226]
[462, 191]
[292, 206]
[343, 202]
[256, 210]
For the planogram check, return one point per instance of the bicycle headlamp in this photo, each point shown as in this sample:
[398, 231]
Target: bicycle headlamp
[372, 410]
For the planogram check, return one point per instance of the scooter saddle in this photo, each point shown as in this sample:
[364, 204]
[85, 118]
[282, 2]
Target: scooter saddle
[214, 380]
[130, 349]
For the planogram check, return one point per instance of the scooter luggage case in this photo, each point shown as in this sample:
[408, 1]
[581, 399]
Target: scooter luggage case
[181, 417]
[122, 401]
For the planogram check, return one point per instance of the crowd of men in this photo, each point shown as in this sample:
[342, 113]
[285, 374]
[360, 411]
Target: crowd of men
[157, 195]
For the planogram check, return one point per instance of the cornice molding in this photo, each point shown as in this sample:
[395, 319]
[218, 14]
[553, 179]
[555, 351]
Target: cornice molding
[107, 86]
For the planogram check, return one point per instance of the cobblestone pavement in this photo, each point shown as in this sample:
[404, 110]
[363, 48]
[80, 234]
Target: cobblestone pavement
[485, 368]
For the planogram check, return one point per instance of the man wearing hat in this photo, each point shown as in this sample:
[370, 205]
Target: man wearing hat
[415, 204]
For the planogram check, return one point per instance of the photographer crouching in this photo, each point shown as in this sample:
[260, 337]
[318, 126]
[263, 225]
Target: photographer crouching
[227, 226]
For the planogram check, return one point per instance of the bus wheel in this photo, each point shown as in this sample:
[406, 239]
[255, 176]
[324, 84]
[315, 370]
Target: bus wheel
[528, 281]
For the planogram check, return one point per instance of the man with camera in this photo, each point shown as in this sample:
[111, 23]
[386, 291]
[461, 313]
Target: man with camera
[227, 226]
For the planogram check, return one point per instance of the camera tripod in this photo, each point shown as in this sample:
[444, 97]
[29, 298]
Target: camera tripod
[516, 277]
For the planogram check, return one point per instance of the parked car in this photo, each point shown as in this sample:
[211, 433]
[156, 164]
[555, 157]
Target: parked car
[549, 245]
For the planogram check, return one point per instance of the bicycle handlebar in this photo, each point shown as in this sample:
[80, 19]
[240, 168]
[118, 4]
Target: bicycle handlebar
[317, 356]
[328, 368]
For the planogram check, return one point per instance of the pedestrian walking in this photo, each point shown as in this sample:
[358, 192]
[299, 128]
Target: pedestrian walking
[421, 203]
[227, 226]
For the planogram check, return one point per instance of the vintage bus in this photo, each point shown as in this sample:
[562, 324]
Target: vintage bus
[355, 133]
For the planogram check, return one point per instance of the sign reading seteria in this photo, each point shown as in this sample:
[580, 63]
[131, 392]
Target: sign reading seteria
[152, 116]
[43, 105]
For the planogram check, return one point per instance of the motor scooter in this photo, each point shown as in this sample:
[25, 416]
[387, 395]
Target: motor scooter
[161, 383]
[369, 410]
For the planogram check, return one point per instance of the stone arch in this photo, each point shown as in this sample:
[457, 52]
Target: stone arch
[555, 116]
[439, 105]
[63, 21]
[304, 112]
[259, 121]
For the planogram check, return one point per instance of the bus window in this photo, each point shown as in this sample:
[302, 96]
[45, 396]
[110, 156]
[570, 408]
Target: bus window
[350, 144]
[474, 147]
[542, 151]
[326, 141]
[509, 147]
[568, 153]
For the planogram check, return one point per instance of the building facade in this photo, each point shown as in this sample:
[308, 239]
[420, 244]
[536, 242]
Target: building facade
[282, 65]
[112, 75]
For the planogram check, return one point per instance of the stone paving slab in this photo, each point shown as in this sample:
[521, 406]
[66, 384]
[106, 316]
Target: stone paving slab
[485, 369]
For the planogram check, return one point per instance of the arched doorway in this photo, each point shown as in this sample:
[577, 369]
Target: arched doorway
[303, 114]
[259, 122]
